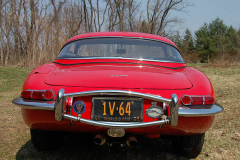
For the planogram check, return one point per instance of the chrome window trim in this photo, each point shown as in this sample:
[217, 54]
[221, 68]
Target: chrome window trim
[140, 59]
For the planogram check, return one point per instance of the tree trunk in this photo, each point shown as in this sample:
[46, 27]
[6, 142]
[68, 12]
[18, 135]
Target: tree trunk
[1, 35]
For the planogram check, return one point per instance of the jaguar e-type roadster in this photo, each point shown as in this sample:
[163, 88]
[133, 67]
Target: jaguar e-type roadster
[119, 84]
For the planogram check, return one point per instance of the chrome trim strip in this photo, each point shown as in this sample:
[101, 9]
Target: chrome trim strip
[116, 124]
[182, 112]
[138, 59]
[118, 92]
[31, 104]
[139, 64]
[215, 108]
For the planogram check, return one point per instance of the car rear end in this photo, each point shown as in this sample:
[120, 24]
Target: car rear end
[131, 86]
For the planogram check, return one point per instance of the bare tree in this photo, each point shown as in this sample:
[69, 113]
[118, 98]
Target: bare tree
[112, 16]
[33, 31]
[1, 33]
[120, 7]
[85, 15]
[16, 34]
[73, 18]
[158, 11]
[8, 26]
[56, 21]
[132, 7]
[98, 16]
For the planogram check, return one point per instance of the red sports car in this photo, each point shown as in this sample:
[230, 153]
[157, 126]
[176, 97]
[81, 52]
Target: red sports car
[119, 84]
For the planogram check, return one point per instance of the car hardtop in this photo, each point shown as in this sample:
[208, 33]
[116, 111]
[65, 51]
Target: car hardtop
[121, 34]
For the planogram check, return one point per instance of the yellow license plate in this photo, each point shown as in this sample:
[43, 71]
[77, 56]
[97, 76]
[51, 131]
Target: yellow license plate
[120, 109]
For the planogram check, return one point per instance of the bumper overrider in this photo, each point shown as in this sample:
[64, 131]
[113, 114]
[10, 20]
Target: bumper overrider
[172, 119]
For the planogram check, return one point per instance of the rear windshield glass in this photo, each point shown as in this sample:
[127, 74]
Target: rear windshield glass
[125, 48]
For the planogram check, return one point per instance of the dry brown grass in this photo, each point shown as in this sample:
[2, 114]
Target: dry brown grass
[225, 61]
[222, 140]
[220, 60]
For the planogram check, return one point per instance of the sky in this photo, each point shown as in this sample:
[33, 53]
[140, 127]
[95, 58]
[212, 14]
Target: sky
[205, 11]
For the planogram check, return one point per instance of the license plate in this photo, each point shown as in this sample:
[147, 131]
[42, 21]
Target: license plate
[117, 109]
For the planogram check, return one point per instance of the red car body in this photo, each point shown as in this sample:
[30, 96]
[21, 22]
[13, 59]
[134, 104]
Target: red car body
[82, 79]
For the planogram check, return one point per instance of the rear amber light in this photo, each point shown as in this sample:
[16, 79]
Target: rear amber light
[197, 100]
[38, 94]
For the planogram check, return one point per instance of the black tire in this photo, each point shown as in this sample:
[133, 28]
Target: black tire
[188, 146]
[46, 140]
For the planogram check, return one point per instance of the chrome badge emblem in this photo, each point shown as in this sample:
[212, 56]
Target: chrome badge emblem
[117, 75]
[154, 111]
[79, 107]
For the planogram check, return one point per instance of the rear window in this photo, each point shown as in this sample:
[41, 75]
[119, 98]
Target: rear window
[125, 48]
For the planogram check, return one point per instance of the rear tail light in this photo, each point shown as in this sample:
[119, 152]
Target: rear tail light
[186, 100]
[209, 100]
[38, 94]
[197, 100]
[27, 94]
[49, 94]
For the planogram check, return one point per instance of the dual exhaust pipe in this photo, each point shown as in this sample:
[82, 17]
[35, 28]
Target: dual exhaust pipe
[100, 139]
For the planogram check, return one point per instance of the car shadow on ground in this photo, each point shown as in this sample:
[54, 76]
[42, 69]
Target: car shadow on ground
[75, 146]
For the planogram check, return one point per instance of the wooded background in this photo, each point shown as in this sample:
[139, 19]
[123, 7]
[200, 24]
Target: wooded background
[33, 31]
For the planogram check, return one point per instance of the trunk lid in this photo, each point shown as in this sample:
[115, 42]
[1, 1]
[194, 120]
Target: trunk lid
[121, 77]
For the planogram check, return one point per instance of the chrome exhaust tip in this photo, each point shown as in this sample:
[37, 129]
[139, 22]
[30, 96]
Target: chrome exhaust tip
[99, 139]
[131, 141]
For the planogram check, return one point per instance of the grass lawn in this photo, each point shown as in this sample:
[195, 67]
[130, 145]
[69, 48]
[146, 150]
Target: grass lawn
[222, 141]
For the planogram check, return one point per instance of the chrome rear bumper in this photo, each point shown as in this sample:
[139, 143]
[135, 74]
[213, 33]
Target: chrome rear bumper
[61, 98]
[176, 111]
